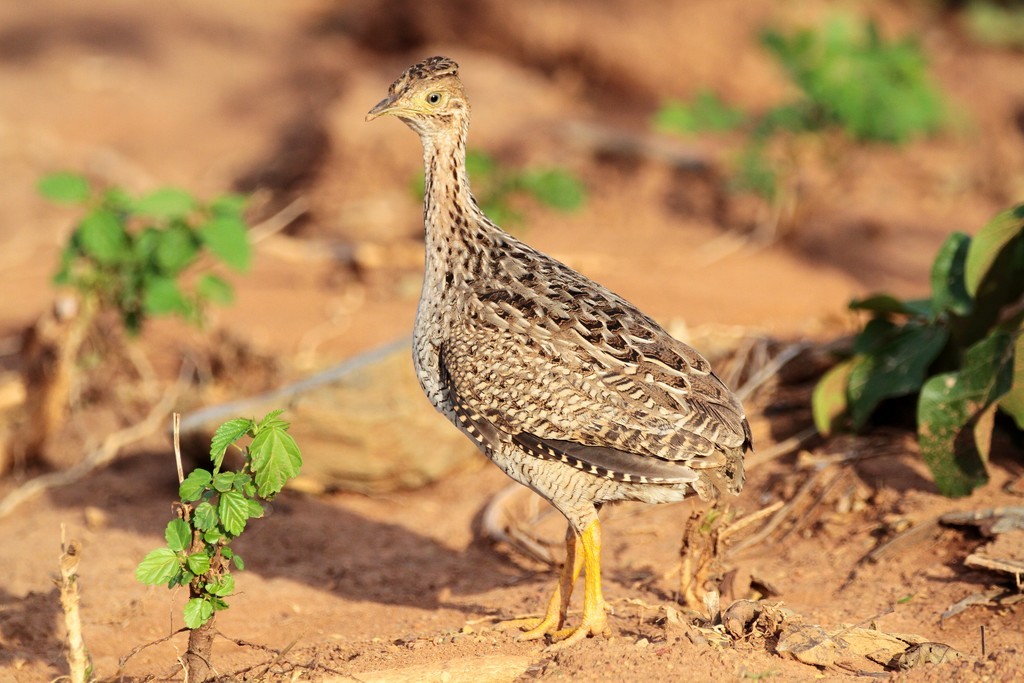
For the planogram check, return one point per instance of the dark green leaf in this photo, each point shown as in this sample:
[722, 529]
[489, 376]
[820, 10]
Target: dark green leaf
[66, 188]
[102, 237]
[218, 603]
[194, 485]
[949, 292]
[205, 517]
[234, 511]
[227, 434]
[989, 242]
[178, 534]
[165, 203]
[828, 402]
[274, 459]
[198, 563]
[163, 296]
[197, 612]
[158, 567]
[896, 368]
[215, 289]
[887, 304]
[228, 238]
[1013, 402]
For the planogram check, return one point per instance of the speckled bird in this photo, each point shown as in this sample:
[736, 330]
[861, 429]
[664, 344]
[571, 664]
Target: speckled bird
[564, 385]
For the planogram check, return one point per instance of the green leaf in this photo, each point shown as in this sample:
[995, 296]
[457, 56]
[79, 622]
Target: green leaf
[194, 485]
[706, 112]
[888, 304]
[271, 421]
[166, 203]
[102, 237]
[215, 289]
[223, 587]
[237, 559]
[198, 563]
[205, 517]
[255, 509]
[555, 187]
[158, 567]
[227, 434]
[229, 205]
[218, 603]
[275, 459]
[896, 368]
[175, 249]
[162, 295]
[1013, 402]
[234, 511]
[66, 188]
[222, 481]
[178, 534]
[989, 242]
[949, 293]
[197, 612]
[951, 414]
[228, 238]
[828, 402]
[213, 536]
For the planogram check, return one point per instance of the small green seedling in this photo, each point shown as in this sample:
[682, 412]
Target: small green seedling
[213, 510]
[131, 254]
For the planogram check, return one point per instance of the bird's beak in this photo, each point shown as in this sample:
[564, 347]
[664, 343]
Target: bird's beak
[383, 107]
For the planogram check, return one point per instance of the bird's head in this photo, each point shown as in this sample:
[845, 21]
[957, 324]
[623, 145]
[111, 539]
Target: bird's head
[428, 97]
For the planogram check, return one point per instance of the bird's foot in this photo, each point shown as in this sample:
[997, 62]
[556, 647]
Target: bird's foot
[533, 627]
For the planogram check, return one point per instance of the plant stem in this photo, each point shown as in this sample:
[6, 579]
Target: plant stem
[199, 653]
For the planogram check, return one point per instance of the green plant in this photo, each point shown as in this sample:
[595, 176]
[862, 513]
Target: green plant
[130, 254]
[851, 77]
[214, 509]
[495, 185]
[997, 24]
[961, 352]
[706, 112]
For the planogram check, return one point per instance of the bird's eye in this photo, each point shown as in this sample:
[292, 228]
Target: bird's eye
[434, 97]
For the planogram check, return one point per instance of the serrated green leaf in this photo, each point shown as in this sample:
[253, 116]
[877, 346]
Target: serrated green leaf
[227, 552]
[223, 480]
[101, 236]
[66, 188]
[198, 563]
[241, 482]
[224, 587]
[828, 402]
[949, 292]
[255, 508]
[227, 434]
[158, 567]
[178, 534]
[165, 203]
[270, 420]
[205, 517]
[197, 612]
[896, 368]
[234, 511]
[212, 536]
[175, 249]
[194, 485]
[215, 289]
[228, 238]
[163, 295]
[989, 242]
[275, 459]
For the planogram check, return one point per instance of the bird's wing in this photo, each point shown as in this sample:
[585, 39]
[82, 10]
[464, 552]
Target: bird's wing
[572, 370]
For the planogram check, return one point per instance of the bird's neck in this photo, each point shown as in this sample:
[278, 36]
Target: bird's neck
[449, 209]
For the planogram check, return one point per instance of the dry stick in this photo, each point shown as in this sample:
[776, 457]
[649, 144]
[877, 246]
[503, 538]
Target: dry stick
[139, 648]
[176, 421]
[782, 448]
[771, 369]
[279, 221]
[78, 658]
[101, 456]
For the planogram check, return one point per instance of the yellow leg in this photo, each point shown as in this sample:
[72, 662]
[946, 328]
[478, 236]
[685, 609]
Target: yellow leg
[595, 618]
[558, 605]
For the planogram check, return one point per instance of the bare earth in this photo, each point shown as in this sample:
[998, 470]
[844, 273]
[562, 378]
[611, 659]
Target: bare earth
[201, 95]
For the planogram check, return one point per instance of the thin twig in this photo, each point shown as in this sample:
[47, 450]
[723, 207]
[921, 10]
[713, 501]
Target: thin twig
[279, 221]
[780, 449]
[78, 658]
[176, 421]
[771, 369]
[107, 451]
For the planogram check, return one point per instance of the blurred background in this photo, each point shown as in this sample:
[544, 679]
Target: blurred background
[733, 167]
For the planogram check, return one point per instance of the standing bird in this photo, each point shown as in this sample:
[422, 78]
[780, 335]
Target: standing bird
[566, 386]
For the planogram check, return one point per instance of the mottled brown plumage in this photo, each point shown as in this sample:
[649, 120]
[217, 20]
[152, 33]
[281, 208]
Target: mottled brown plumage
[566, 386]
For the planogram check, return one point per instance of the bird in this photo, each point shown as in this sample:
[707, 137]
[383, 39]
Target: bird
[567, 387]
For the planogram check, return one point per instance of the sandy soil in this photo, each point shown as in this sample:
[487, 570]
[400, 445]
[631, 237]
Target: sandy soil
[210, 96]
